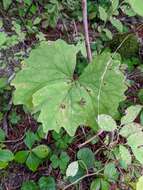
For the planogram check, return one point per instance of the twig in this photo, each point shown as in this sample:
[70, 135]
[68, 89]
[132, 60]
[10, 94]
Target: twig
[5, 123]
[86, 33]
[91, 139]
[83, 177]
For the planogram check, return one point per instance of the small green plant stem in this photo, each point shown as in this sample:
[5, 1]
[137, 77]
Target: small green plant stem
[86, 32]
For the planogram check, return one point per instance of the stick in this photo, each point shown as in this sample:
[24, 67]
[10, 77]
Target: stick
[86, 33]
[91, 139]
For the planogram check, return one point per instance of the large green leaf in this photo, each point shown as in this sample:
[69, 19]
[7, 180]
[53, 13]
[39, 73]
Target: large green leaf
[46, 84]
[130, 129]
[135, 141]
[137, 6]
[107, 82]
[6, 155]
[106, 122]
[140, 183]
[131, 113]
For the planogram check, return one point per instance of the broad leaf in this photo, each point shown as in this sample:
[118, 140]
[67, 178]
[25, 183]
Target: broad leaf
[115, 4]
[21, 156]
[107, 82]
[33, 162]
[110, 172]
[3, 165]
[130, 129]
[2, 135]
[72, 169]
[87, 156]
[138, 153]
[131, 114]
[135, 141]
[102, 13]
[30, 139]
[3, 38]
[6, 155]
[47, 183]
[29, 185]
[6, 3]
[41, 151]
[137, 6]
[46, 84]
[125, 154]
[99, 184]
[106, 123]
[140, 183]
[117, 24]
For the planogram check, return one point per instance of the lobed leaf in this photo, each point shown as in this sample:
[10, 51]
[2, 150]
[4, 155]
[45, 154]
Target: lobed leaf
[46, 85]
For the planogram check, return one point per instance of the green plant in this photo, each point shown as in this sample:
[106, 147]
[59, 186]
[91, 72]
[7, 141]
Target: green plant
[60, 162]
[128, 129]
[14, 118]
[99, 183]
[136, 6]
[80, 98]
[62, 140]
[44, 183]
[34, 156]
[6, 156]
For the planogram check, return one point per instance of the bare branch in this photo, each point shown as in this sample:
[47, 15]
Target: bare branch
[86, 32]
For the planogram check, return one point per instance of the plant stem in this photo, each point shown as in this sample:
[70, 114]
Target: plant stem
[86, 32]
[83, 177]
[91, 139]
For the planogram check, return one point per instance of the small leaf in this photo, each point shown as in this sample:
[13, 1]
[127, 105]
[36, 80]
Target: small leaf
[6, 4]
[3, 38]
[130, 129]
[41, 151]
[87, 156]
[3, 165]
[21, 156]
[33, 162]
[141, 118]
[6, 155]
[125, 154]
[110, 172]
[138, 153]
[30, 139]
[108, 33]
[99, 184]
[55, 161]
[2, 135]
[95, 185]
[103, 14]
[135, 140]
[29, 185]
[117, 24]
[131, 114]
[106, 123]
[3, 81]
[37, 21]
[104, 185]
[63, 162]
[140, 183]
[115, 4]
[72, 169]
[47, 183]
[140, 95]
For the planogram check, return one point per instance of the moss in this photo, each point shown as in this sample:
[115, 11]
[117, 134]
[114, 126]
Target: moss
[130, 47]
